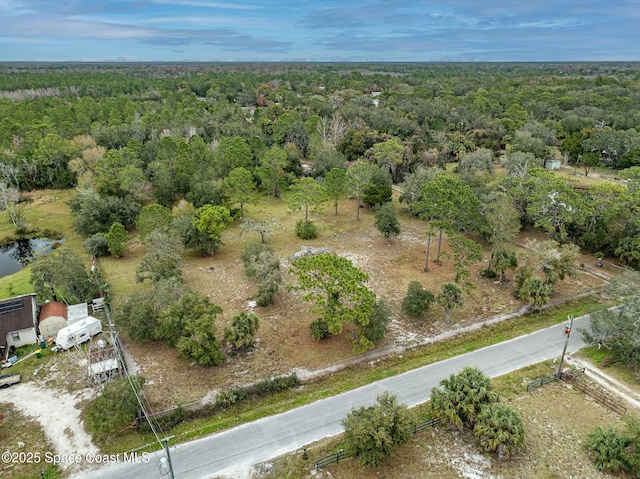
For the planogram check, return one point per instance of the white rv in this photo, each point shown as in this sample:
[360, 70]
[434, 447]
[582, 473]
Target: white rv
[78, 333]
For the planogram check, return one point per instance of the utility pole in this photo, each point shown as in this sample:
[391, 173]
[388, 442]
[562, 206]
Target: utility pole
[567, 332]
[165, 462]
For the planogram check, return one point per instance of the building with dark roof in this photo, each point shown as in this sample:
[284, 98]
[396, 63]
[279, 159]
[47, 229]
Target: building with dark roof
[18, 322]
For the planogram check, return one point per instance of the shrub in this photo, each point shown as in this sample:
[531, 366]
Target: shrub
[96, 245]
[372, 433]
[306, 230]
[417, 301]
[376, 329]
[319, 329]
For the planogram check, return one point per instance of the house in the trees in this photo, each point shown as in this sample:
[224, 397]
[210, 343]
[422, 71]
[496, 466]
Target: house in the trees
[53, 317]
[18, 323]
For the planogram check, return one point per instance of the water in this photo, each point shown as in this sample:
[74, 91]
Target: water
[15, 256]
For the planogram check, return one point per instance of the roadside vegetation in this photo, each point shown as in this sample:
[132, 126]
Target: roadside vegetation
[247, 222]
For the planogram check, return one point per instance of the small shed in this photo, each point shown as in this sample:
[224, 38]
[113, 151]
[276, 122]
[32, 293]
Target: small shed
[53, 317]
[551, 164]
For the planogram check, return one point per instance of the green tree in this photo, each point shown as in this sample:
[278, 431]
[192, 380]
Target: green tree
[162, 260]
[212, 221]
[139, 312]
[188, 324]
[233, 153]
[240, 187]
[372, 433]
[553, 204]
[619, 329]
[337, 289]
[417, 301]
[261, 262]
[460, 398]
[335, 184]
[386, 221]
[378, 189]
[450, 298]
[307, 194]
[153, 217]
[242, 331]
[449, 204]
[115, 408]
[117, 239]
[61, 275]
[379, 321]
[465, 252]
[503, 225]
[358, 177]
[272, 169]
[536, 292]
[499, 429]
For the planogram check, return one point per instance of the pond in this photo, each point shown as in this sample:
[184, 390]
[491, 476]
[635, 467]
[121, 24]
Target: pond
[15, 256]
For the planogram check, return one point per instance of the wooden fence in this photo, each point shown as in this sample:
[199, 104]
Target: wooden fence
[599, 395]
[336, 457]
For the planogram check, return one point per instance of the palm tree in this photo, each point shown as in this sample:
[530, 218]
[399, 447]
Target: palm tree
[499, 429]
[461, 396]
[449, 299]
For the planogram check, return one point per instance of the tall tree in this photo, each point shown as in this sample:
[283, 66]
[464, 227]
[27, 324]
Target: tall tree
[449, 204]
[358, 176]
[240, 187]
[61, 276]
[307, 194]
[117, 239]
[162, 260]
[272, 169]
[619, 329]
[335, 184]
[337, 289]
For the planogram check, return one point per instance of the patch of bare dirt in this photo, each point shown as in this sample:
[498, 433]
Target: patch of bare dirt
[283, 342]
[557, 420]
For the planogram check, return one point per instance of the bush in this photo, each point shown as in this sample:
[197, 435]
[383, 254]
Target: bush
[499, 429]
[376, 329]
[277, 384]
[306, 230]
[372, 433]
[319, 329]
[116, 407]
[607, 448]
[417, 301]
[96, 245]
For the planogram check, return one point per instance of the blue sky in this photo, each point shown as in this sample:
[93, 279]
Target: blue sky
[305, 30]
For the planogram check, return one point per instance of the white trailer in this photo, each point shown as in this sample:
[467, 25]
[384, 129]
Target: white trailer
[78, 333]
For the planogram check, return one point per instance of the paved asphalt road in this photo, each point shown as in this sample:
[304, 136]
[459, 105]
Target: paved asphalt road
[272, 436]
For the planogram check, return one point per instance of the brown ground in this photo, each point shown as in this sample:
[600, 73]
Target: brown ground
[557, 420]
[283, 341]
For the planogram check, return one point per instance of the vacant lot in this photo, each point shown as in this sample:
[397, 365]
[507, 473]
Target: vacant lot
[557, 420]
[284, 342]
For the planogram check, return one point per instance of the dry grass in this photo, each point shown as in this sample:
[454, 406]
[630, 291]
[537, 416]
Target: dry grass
[283, 341]
[21, 434]
[557, 420]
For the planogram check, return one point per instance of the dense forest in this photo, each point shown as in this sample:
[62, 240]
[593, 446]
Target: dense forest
[128, 134]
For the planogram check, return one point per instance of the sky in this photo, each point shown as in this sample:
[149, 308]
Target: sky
[319, 30]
